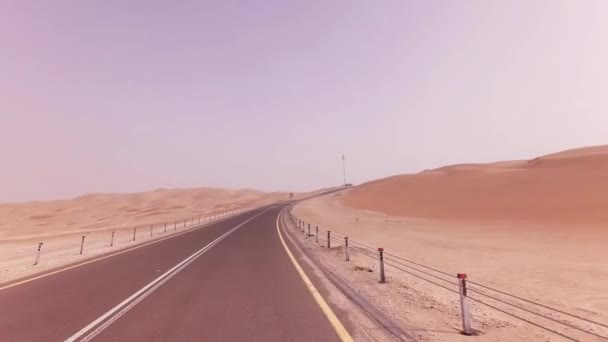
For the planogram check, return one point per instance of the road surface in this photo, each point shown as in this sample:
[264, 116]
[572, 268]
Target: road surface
[229, 281]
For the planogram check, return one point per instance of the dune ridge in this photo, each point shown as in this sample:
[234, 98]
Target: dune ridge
[569, 188]
[101, 211]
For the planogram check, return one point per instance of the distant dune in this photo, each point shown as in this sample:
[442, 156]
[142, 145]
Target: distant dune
[101, 211]
[569, 187]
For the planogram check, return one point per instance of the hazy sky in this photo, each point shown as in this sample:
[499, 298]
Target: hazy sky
[120, 96]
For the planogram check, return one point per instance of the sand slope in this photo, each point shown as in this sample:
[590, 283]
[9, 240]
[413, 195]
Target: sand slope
[102, 211]
[566, 188]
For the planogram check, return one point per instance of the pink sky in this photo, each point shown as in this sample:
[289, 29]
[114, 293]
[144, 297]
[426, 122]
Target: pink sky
[120, 96]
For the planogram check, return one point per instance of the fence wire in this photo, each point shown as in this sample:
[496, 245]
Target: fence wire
[405, 265]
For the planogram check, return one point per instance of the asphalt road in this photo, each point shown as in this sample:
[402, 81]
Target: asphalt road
[230, 281]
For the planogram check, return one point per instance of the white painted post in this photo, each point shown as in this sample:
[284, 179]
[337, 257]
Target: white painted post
[382, 278]
[112, 240]
[346, 250]
[82, 245]
[464, 304]
[38, 253]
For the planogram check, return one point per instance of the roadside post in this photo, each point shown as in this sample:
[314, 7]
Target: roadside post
[38, 253]
[82, 245]
[112, 240]
[165, 227]
[464, 304]
[329, 239]
[151, 230]
[346, 250]
[381, 255]
[308, 230]
[317, 234]
[134, 232]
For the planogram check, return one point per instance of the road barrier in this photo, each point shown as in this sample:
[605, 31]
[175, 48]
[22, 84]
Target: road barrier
[463, 287]
[97, 240]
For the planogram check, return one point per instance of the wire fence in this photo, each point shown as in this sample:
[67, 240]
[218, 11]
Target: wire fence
[485, 295]
[68, 246]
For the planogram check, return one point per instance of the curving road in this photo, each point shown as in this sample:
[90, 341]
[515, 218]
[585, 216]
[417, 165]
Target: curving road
[229, 281]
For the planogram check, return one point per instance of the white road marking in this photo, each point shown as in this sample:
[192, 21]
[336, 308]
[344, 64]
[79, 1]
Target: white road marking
[105, 256]
[135, 298]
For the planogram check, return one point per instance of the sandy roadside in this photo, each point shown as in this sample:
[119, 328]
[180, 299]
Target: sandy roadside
[557, 268]
[18, 257]
[60, 225]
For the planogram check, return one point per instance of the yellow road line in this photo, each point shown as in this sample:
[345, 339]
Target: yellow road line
[331, 316]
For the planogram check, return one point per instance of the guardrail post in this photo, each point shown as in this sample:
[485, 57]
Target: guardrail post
[317, 234]
[82, 245]
[329, 239]
[382, 278]
[38, 253]
[346, 250]
[112, 240]
[308, 230]
[464, 304]
[134, 232]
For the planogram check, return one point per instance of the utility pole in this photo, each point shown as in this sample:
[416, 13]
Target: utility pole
[344, 169]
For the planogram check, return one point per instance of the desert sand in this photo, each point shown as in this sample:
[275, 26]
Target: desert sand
[61, 224]
[534, 229]
[568, 188]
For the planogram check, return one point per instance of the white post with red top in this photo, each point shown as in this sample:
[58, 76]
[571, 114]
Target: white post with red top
[464, 304]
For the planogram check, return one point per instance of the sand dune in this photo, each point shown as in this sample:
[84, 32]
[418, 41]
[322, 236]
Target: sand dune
[534, 228]
[102, 211]
[566, 188]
